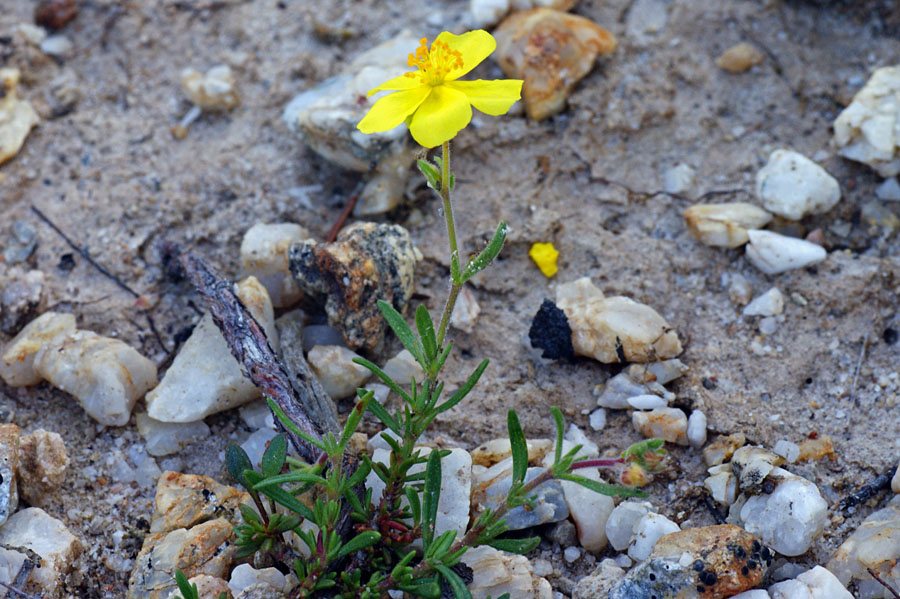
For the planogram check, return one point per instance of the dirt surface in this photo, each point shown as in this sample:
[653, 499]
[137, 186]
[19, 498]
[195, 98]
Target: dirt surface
[109, 173]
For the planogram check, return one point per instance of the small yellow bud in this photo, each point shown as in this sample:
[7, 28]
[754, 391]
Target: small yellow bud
[544, 255]
[634, 476]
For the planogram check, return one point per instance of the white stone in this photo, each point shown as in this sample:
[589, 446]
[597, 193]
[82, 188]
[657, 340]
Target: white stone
[257, 415]
[722, 485]
[790, 589]
[789, 451]
[570, 554]
[724, 225]
[769, 303]
[205, 378]
[754, 594]
[105, 375]
[790, 518]
[610, 328]
[495, 573]
[752, 464]
[823, 584]
[575, 436]
[465, 312]
[768, 325]
[868, 130]
[11, 563]
[696, 429]
[264, 255]
[17, 359]
[793, 186]
[456, 487]
[57, 45]
[874, 544]
[889, 190]
[402, 367]
[663, 372]
[17, 116]
[648, 530]
[621, 522]
[597, 419]
[678, 179]
[589, 510]
[739, 289]
[165, 438]
[773, 253]
[488, 12]
[213, 90]
[895, 481]
[245, 575]
[645, 19]
[49, 538]
[617, 390]
[333, 365]
[647, 402]
[379, 456]
[32, 33]
[667, 423]
[377, 441]
[255, 445]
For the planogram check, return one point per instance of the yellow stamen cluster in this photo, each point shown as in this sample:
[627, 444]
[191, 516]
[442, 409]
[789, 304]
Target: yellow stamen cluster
[434, 64]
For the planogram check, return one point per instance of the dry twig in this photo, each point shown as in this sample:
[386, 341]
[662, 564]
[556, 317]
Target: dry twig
[875, 575]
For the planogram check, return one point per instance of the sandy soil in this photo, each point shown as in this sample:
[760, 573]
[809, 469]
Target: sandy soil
[112, 176]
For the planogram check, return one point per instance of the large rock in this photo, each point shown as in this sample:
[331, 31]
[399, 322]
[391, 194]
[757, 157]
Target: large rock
[615, 329]
[868, 130]
[204, 377]
[875, 544]
[366, 262]
[17, 117]
[17, 360]
[183, 500]
[551, 51]
[497, 572]
[35, 529]
[105, 375]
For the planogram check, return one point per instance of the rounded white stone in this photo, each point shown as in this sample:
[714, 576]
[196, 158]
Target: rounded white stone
[769, 303]
[791, 185]
[647, 532]
[773, 253]
[696, 429]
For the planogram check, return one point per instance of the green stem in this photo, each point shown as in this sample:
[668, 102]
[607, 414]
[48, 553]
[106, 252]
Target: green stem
[455, 285]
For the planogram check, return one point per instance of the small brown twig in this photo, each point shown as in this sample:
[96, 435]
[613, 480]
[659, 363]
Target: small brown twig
[874, 575]
[102, 269]
[342, 219]
[882, 481]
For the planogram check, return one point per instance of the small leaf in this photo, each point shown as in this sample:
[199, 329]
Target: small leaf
[280, 496]
[273, 458]
[237, 461]
[602, 488]
[518, 446]
[355, 416]
[431, 173]
[249, 514]
[456, 583]
[426, 332]
[520, 546]
[402, 330]
[430, 497]
[384, 378]
[384, 416]
[464, 390]
[360, 541]
[560, 432]
[289, 424]
[487, 255]
[424, 587]
[415, 506]
[297, 476]
[188, 590]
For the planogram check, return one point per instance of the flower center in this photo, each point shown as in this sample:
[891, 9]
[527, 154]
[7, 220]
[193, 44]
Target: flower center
[434, 64]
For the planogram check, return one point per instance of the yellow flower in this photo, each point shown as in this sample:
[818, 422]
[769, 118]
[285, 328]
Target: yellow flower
[433, 103]
[544, 255]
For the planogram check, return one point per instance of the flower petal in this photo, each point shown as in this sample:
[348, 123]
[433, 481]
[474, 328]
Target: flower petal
[490, 97]
[474, 46]
[440, 117]
[391, 110]
[397, 83]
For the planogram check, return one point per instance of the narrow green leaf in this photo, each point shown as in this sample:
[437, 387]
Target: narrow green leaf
[487, 255]
[430, 497]
[273, 458]
[289, 424]
[560, 432]
[460, 591]
[442, 544]
[188, 590]
[360, 541]
[384, 416]
[426, 332]
[415, 506]
[362, 471]
[249, 514]
[518, 447]
[520, 546]
[237, 461]
[603, 488]
[355, 416]
[431, 173]
[464, 390]
[281, 496]
[384, 378]
[402, 330]
[439, 363]
[426, 588]
[298, 476]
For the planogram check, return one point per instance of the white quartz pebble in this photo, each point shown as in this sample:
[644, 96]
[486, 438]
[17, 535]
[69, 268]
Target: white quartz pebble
[773, 253]
[789, 451]
[696, 429]
[264, 255]
[868, 130]
[621, 522]
[164, 438]
[647, 532]
[769, 303]
[17, 359]
[793, 186]
[724, 225]
[333, 365]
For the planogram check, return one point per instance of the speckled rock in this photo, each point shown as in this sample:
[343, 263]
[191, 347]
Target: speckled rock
[367, 262]
[17, 117]
[260, 591]
[551, 51]
[598, 583]
[496, 572]
[10, 438]
[207, 548]
[183, 500]
[615, 329]
[105, 375]
[205, 378]
[723, 448]
[699, 563]
[213, 90]
[868, 130]
[724, 225]
[667, 423]
[874, 544]
[42, 465]
[752, 464]
[264, 255]
[17, 359]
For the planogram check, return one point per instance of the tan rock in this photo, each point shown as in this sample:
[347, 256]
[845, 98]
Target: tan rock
[207, 548]
[17, 116]
[723, 448]
[42, 465]
[551, 50]
[17, 360]
[264, 255]
[496, 450]
[739, 58]
[213, 90]
[666, 423]
[183, 500]
[725, 225]
[816, 449]
[496, 572]
[209, 587]
[615, 329]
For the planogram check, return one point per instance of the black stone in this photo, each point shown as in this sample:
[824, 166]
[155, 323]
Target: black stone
[739, 552]
[751, 564]
[66, 262]
[550, 332]
[698, 565]
[708, 578]
[890, 336]
[745, 570]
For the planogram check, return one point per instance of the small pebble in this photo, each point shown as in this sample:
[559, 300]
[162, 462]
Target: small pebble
[571, 554]
[333, 365]
[667, 423]
[789, 451]
[793, 186]
[647, 402]
[865, 130]
[598, 419]
[621, 522]
[739, 58]
[769, 303]
[648, 530]
[678, 179]
[889, 190]
[773, 253]
[57, 45]
[724, 225]
[739, 290]
[696, 429]
[768, 325]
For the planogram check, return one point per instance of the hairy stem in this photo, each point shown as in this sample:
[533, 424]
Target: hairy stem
[455, 285]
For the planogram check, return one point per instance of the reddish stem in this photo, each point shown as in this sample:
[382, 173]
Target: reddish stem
[597, 463]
